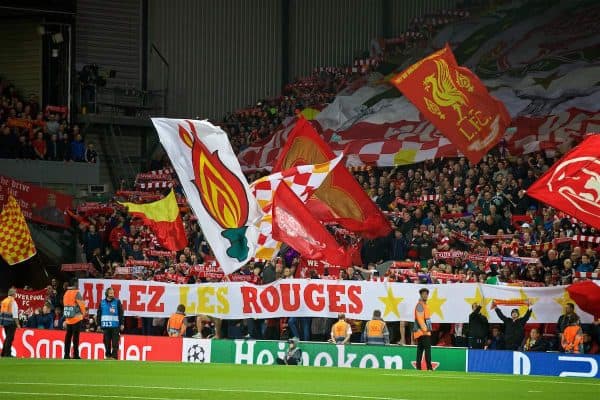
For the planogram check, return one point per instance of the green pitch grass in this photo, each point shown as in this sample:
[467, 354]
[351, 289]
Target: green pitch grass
[78, 379]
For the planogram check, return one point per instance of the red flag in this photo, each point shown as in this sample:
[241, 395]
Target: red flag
[587, 296]
[340, 198]
[294, 225]
[572, 185]
[163, 218]
[454, 100]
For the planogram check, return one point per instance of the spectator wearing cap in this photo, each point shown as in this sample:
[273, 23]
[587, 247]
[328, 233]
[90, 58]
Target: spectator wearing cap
[293, 356]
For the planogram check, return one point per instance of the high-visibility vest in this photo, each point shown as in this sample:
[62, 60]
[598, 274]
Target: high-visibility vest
[422, 318]
[374, 331]
[175, 325]
[110, 314]
[73, 310]
[6, 312]
[340, 329]
[572, 339]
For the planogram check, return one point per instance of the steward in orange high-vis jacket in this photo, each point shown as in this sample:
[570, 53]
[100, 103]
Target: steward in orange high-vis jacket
[376, 331]
[176, 324]
[422, 329]
[73, 311]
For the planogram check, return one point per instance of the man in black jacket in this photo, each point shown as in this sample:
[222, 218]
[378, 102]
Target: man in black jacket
[514, 327]
[478, 328]
[535, 342]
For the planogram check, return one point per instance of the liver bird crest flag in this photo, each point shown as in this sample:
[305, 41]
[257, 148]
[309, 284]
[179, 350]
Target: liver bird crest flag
[215, 187]
[572, 185]
[456, 102]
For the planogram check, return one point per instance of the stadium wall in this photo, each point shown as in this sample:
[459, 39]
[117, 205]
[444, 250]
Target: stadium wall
[37, 343]
[399, 12]
[108, 33]
[221, 54]
[21, 54]
[224, 55]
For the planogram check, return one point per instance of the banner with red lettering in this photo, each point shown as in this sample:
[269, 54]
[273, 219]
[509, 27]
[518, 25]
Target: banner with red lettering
[37, 203]
[326, 298]
[43, 343]
[29, 300]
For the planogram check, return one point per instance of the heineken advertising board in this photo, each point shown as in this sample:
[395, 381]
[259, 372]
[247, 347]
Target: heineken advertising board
[261, 352]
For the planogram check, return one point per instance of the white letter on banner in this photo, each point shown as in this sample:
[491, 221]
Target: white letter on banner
[26, 333]
[389, 361]
[342, 362]
[593, 366]
[521, 364]
[265, 357]
[366, 358]
[240, 356]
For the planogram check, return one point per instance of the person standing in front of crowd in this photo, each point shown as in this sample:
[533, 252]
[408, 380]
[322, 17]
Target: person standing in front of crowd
[572, 336]
[422, 329]
[176, 324]
[9, 319]
[563, 320]
[73, 311]
[478, 328]
[376, 331]
[341, 330]
[111, 321]
[514, 327]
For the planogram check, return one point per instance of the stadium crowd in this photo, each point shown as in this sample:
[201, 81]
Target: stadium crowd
[29, 133]
[442, 212]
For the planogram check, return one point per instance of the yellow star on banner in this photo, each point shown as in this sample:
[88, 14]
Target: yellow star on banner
[532, 301]
[564, 299]
[479, 299]
[435, 304]
[391, 303]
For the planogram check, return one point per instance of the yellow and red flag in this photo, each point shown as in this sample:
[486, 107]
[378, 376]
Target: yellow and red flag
[456, 102]
[16, 244]
[163, 218]
[340, 198]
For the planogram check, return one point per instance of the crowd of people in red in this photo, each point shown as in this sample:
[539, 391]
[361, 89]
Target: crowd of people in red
[452, 221]
[29, 132]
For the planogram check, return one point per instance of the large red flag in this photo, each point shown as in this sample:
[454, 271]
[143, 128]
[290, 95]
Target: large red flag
[454, 100]
[294, 225]
[587, 296]
[340, 198]
[163, 218]
[572, 185]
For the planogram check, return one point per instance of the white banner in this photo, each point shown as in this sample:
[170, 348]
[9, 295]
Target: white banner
[327, 298]
[215, 187]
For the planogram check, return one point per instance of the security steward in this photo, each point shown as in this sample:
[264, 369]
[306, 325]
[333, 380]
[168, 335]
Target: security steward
[111, 321]
[376, 331]
[422, 329]
[176, 325]
[9, 319]
[73, 311]
[341, 331]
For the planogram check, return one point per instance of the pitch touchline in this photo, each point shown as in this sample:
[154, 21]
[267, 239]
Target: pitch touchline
[468, 378]
[335, 395]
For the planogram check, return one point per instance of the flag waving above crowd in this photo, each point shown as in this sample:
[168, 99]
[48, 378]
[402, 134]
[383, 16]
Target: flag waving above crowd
[215, 187]
[340, 198]
[454, 100]
[164, 219]
[572, 185]
[16, 244]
